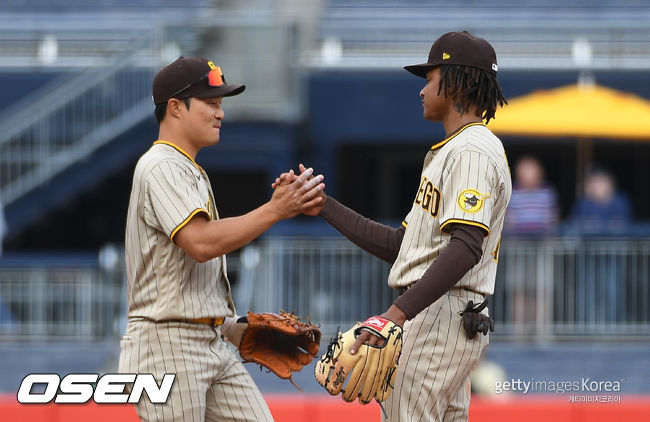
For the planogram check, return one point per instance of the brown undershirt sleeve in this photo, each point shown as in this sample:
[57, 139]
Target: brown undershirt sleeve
[459, 256]
[378, 239]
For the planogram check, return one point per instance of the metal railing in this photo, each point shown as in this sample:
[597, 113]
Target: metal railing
[573, 287]
[328, 280]
[60, 298]
[545, 290]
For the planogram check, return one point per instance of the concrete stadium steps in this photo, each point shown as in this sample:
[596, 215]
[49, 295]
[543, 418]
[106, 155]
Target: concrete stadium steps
[263, 147]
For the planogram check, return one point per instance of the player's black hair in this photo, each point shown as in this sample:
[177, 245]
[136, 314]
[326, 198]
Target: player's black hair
[160, 110]
[471, 86]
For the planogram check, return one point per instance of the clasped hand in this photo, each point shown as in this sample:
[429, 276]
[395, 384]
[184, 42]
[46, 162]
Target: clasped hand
[294, 194]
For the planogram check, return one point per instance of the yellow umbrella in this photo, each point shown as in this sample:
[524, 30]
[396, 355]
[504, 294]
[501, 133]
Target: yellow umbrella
[582, 111]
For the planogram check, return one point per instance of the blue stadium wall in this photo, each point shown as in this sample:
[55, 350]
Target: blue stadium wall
[363, 130]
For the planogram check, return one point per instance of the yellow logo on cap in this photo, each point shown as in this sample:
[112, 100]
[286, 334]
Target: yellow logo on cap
[445, 56]
[471, 200]
[212, 66]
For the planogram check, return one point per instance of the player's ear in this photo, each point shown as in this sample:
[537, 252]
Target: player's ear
[175, 107]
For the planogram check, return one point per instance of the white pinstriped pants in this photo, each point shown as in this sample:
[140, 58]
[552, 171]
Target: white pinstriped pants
[432, 382]
[211, 382]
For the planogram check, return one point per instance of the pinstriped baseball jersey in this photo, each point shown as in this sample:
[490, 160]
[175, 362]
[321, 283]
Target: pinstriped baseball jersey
[465, 179]
[169, 188]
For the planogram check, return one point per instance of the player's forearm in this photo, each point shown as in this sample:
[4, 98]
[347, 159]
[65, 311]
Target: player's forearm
[210, 239]
[234, 232]
[378, 239]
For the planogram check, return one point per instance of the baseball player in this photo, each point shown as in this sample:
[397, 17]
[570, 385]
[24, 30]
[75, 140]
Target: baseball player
[445, 254]
[178, 289]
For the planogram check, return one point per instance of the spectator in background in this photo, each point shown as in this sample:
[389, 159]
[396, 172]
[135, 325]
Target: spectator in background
[532, 212]
[602, 210]
[533, 208]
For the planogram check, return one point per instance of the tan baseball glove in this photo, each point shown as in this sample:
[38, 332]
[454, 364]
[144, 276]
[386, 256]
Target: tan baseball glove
[371, 371]
[280, 342]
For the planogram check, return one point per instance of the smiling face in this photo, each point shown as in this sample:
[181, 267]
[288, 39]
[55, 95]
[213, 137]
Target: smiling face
[202, 122]
[435, 104]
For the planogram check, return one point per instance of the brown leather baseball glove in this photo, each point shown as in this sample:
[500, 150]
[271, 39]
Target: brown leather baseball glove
[280, 342]
[368, 374]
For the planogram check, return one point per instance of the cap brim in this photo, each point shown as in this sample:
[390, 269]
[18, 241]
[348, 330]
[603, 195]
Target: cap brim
[221, 91]
[420, 69]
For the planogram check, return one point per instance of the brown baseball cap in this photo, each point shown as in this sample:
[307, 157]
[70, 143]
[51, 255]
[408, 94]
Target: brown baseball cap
[460, 48]
[191, 77]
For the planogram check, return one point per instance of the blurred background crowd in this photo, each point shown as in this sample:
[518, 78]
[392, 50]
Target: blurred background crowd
[326, 87]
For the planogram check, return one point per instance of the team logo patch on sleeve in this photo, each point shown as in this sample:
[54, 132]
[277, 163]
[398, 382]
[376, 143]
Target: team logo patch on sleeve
[471, 200]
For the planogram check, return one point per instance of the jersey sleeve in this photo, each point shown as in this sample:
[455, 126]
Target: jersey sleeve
[467, 191]
[173, 198]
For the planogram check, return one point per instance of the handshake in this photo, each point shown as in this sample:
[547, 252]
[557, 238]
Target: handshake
[298, 194]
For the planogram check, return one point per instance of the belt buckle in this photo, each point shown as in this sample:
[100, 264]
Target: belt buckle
[212, 322]
[215, 322]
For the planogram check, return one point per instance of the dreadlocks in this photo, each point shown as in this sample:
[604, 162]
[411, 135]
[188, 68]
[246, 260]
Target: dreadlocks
[471, 86]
